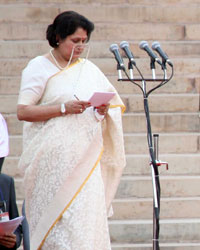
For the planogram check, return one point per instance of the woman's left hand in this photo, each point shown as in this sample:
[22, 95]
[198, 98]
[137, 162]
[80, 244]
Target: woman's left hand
[103, 109]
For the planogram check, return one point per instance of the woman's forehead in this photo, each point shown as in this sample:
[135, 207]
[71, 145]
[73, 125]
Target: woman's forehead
[80, 32]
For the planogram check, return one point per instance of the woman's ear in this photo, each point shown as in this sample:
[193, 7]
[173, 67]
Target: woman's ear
[57, 40]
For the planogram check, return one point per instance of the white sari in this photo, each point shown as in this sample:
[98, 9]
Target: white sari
[72, 164]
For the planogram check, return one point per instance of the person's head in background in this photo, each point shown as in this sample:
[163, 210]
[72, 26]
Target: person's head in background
[68, 33]
[4, 141]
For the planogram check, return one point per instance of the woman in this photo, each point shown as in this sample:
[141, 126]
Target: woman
[73, 153]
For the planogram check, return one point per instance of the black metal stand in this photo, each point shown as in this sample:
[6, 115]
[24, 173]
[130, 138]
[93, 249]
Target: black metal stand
[153, 148]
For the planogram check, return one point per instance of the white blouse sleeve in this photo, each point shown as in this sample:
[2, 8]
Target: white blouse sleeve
[4, 140]
[98, 116]
[33, 82]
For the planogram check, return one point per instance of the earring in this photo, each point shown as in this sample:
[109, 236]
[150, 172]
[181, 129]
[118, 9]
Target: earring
[57, 43]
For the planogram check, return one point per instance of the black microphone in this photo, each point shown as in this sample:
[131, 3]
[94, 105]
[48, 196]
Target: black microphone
[125, 46]
[115, 50]
[156, 46]
[144, 45]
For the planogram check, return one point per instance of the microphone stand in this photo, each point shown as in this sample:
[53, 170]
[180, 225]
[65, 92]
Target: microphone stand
[152, 66]
[130, 67]
[119, 69]
[164, 68]
[153, 147]
[155, 176]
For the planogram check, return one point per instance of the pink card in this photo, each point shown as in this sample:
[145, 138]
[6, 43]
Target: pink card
[99, 98]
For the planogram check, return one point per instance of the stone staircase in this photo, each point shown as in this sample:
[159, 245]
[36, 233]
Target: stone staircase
[174, 107]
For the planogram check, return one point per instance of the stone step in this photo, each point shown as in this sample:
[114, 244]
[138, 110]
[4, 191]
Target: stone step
[155, 13]
[163, 246]
[141, 187]
[146, 2]
[134, 103]
[163, 103]
[27, 13]
[10, 85]
[113, 31]
[8, 104]
[183, 66]
[168, 143]
[140, 231]
[19, 188]
[192, 32]
[23, 49]
[179, 165]
[14, 67]
[186, 84]
[137, 143]
[19, 206]
[162, 122]
[15, 126]
[15, 145]
[32, 48]
[178, 84]
[171, 48]
[170, 208]
[10, 167]
[171, 186]
[136, 122]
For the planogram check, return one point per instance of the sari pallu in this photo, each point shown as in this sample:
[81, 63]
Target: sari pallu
[61, 154]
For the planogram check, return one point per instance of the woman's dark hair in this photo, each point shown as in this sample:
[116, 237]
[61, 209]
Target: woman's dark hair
[66, 24]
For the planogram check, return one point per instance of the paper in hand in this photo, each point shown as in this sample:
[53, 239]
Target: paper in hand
[8, 227]
[99, 98]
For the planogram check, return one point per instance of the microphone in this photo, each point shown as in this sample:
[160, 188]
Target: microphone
[156, 46]
[125, 46]
[115, 50]
[144, 45]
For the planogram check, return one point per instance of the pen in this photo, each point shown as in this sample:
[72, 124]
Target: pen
[76, 97]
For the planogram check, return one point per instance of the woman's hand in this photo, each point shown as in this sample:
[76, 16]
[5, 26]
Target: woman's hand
[38, 113]
[8, 240]
[103, 109]
[76, 107]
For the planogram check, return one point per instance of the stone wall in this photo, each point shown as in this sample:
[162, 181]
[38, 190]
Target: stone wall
[174, 107]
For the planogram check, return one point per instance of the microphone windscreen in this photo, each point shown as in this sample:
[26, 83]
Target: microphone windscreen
[143, 44]
[124, 44]
[113, 47]
[155, 45]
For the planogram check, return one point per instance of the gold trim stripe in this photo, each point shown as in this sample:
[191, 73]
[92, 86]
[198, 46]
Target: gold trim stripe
[79, 190]
[74, 63]
[123, 108]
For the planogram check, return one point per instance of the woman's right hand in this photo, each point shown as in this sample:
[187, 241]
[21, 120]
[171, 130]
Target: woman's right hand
[38, 113]
[76, 107]
[8, 240]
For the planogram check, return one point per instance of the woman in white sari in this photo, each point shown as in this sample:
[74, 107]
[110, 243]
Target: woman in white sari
[73, 153]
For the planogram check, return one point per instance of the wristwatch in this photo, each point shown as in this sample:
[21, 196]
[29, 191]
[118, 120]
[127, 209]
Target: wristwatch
[62, 109]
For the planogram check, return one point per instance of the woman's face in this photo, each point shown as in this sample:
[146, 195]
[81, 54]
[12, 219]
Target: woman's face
[73, 42]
